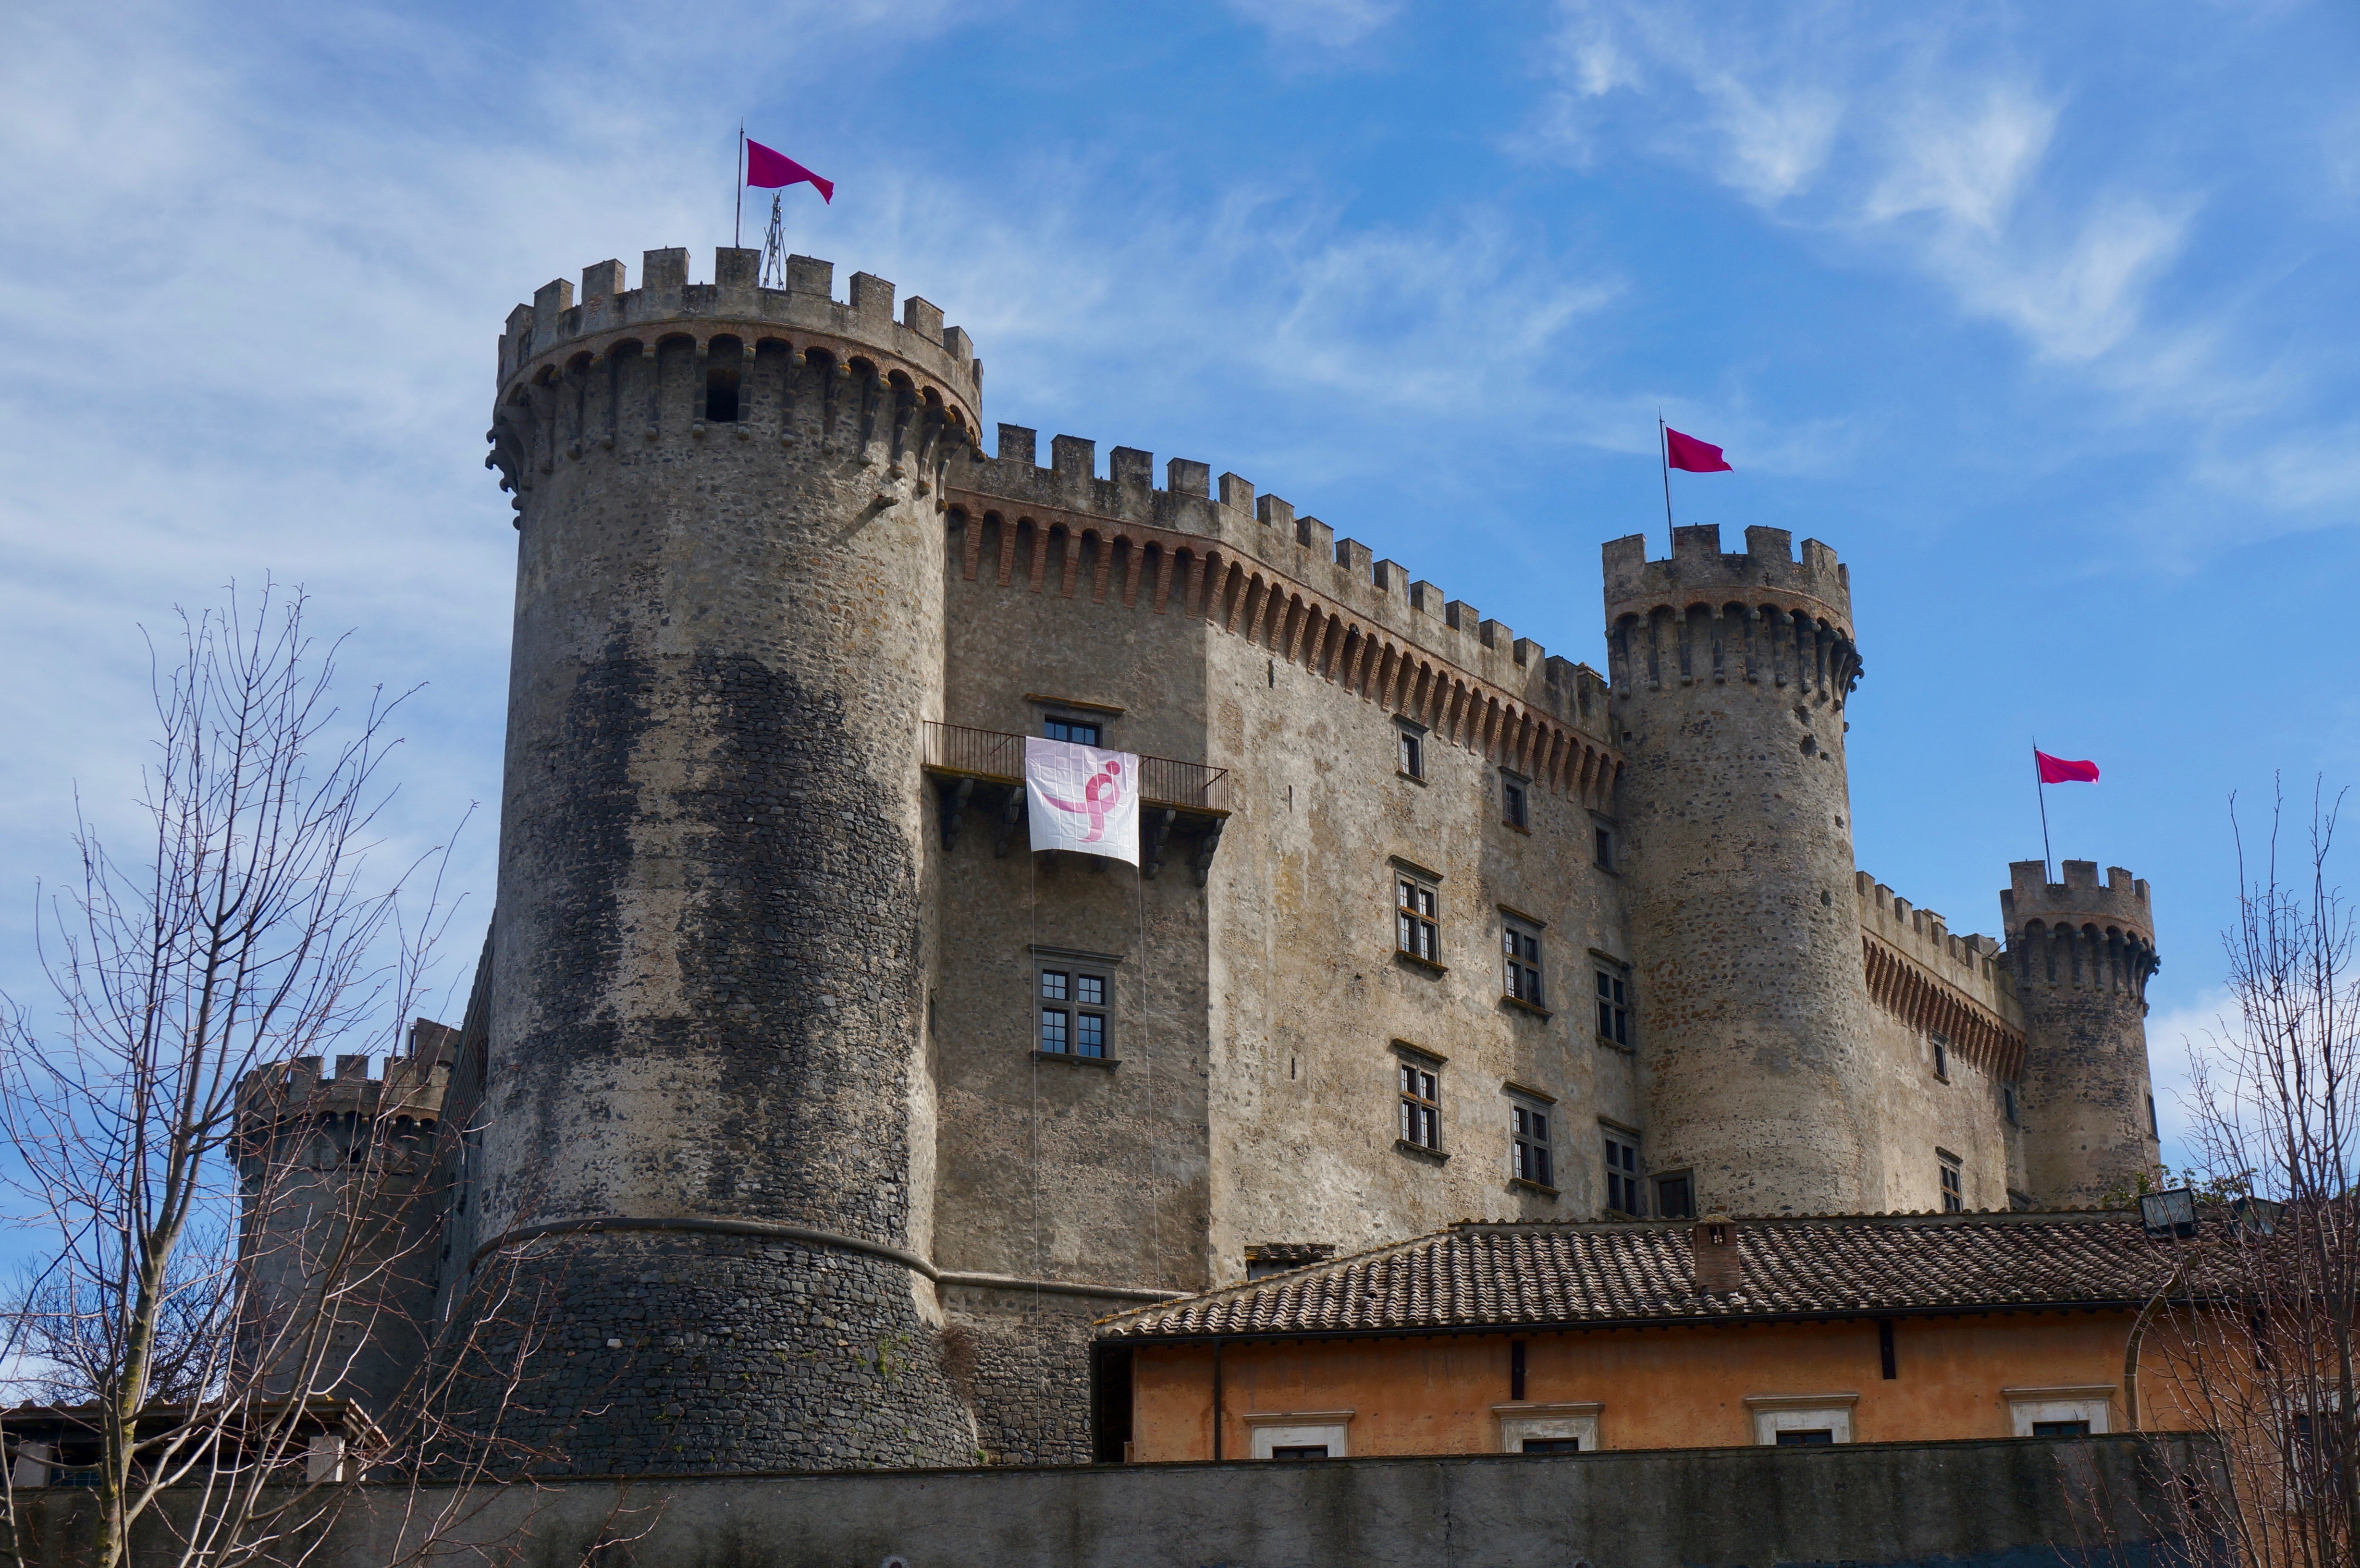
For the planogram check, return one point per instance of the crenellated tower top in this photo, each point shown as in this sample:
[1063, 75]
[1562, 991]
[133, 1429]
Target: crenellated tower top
[1762, 617]
[557, 329]
[2117, 906]
[1699, 575]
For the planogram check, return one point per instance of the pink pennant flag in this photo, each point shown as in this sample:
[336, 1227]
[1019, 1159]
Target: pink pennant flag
[770, 168]
[1693, 456]
[2060, 770]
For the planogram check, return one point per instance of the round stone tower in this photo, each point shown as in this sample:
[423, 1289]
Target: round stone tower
[707, 1106]
[2081, 953]
[1730, 674]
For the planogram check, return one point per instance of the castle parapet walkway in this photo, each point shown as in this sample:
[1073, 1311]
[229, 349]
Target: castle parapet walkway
[1177, 798]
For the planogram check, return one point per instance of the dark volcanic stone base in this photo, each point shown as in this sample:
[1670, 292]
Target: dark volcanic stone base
[1025, 1364]
[737, 1354]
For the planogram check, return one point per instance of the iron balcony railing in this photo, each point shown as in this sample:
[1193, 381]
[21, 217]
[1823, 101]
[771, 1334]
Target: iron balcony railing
[998, 757]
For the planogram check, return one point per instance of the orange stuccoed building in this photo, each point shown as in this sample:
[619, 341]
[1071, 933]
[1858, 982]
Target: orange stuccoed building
[1554, 1338]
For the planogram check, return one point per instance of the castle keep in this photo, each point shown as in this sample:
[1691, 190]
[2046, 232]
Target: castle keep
[836, 1113]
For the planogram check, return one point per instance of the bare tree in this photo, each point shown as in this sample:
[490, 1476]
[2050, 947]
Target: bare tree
[2252, 1339]
[228, 1234]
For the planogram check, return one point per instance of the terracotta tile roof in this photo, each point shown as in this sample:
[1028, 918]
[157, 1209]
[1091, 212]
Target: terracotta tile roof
[1479, 1275]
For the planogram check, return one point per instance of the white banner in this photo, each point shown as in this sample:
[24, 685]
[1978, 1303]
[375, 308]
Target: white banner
[1082, 799]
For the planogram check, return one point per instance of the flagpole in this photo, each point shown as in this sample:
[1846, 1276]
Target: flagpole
[738, 224]
[1664, 456]
[2040, 789]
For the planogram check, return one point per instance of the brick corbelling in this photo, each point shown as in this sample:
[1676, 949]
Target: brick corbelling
[1246, 598]
[1924, 1002]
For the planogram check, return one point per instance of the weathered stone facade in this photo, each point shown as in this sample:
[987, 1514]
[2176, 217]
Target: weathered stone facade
[760, 1011]
[2081, 955]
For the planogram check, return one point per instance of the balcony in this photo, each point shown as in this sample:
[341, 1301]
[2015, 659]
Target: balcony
[981, 773]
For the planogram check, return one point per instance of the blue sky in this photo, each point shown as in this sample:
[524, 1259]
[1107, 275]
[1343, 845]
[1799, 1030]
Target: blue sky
[2042, 316]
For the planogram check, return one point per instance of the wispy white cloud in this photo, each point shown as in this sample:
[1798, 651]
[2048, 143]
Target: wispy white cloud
[1963, 161]
[1325, 24]
[1931, 144]
[2176, 1037]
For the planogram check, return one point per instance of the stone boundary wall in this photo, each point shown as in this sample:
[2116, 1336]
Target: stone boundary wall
[2007, 1503]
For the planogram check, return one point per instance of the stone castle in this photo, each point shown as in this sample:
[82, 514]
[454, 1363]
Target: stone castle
[831, 1114]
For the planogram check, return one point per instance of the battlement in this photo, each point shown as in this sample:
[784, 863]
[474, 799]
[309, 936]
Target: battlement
[1228, 513]
[557, 326]
[413, 1087]
[2121, 903]
[1971, 964]
[1959, 988]
[1698, 573]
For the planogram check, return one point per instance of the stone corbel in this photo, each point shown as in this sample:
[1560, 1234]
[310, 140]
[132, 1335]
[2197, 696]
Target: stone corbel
[1154, 831]
[954, 793]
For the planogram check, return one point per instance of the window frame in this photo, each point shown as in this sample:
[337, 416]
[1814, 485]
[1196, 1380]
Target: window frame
[1774, 1413]
[1941, 1044]
[1523, 978]
[1076, 967]
[1630, 1179]
[1613, 996]
[1658, 1180]
[1051, 721]
[1409, 920]
[1524, 1113]
[1520, 1419]
[1271, 1429]
[1952, 1179]
[1409, 750]
[2092, 1403]
[1515, 800]
[1418, 1099]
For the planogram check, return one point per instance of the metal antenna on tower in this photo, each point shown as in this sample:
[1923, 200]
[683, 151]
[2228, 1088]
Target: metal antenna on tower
[774, 248]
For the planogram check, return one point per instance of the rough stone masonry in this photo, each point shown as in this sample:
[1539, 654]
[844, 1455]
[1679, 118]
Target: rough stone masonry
[771, 1073]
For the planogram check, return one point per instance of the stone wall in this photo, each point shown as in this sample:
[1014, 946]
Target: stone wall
[2025, 1502]
[1731, 678]
[711, 972]
[2083, 952]
[1928, 987]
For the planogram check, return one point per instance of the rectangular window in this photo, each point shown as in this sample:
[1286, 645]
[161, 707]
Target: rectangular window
[1081, 732]
[1552, 1446]
[2007, 1102]
[1421, 1107]
[2154, 1129]
[1515, 806]
[1528, 1132]
[1675, 1198]
[1522, 945]
[1299, 1451]
[1953, 1187]
[1805, 1437]
[2061, 1429]
[1074, 1011]
[1416, 931]
[1942, 1056]
[1623, 1194]
[1613, 1009]
[1602, 848]
[1413, 754]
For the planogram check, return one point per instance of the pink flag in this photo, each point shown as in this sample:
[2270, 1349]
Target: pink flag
[1691, 455]
[2057, 770]
[769, 170]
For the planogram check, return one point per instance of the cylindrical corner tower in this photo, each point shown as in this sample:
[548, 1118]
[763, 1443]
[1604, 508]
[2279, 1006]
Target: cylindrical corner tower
[1730, 674]
[2081, 953]
[708, 1107]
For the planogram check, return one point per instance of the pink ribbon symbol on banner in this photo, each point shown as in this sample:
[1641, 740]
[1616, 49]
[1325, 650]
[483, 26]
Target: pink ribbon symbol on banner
[1099, 796]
